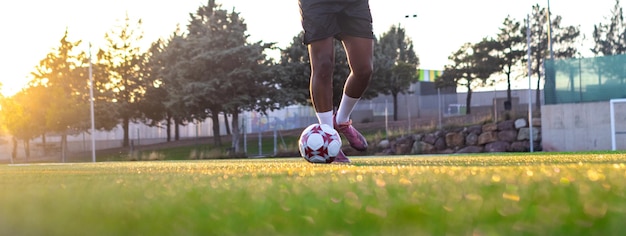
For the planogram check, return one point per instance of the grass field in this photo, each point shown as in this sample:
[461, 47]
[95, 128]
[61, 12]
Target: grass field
[496, 194]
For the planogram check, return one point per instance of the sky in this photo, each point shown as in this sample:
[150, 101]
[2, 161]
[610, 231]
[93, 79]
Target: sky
[32, 29]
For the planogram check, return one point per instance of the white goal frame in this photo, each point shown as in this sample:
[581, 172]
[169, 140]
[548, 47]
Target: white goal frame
[613, 131]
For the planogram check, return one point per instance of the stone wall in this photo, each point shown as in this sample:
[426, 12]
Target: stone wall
[504, 136]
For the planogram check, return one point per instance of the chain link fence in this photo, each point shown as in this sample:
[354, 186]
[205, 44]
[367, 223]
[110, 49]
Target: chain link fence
[416, 110]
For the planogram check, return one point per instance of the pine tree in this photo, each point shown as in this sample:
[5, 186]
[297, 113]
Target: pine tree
[60, 89]
[470, 67]
[218, 72]
[511, 50]
[562, 40]
[610, 37]
[396, 66]
[122, 62]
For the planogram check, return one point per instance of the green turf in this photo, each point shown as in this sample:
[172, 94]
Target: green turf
[512, 194]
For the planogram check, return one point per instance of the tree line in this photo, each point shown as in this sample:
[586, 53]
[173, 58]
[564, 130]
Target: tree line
[210, 69]
[206, 70]
[503, 57]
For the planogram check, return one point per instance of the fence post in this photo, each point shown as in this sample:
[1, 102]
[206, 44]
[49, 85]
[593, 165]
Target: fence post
[260, 143]
[245, 134]
[439, 111]
[386, 121]
[275, 138]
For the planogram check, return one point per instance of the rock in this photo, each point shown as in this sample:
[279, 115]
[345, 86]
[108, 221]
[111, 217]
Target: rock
[455, 139]
[383, 144]
[475, 129]
[471, 149]
[498, 146]
[487, 137]
[403, 146]
[404, 149]
[507, 135]
[416, 148]
[519, 146]
[520, 123]
[471, 139]
[524, 134]
[420, 147]
[506, 125]
[418, 137]
[504, 136]
[489, 127]
[440, 134]
[440, 144]
[430, 138]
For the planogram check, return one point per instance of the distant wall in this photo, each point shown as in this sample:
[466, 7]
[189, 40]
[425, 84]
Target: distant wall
[581, 127]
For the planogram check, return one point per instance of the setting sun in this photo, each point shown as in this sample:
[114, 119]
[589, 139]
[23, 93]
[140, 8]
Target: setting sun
[9, 88]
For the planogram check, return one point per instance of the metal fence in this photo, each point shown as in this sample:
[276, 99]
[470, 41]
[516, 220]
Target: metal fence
[414, 111]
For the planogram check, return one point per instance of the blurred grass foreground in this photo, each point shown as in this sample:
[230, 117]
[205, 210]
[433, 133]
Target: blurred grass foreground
[507, 194]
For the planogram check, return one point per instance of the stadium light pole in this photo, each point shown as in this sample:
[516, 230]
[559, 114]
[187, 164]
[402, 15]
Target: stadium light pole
[550, 43]
[550, 32]
[439, 111]
[93, 123]
[530, 104]
[408, 109]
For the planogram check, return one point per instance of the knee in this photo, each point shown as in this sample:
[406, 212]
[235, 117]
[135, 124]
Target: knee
[364, 71]
[323, 67]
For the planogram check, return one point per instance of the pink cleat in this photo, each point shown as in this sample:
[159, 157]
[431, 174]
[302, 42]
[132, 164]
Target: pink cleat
[356, 140]
[341, 158]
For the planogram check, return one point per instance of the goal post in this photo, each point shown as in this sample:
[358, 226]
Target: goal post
[615, 132]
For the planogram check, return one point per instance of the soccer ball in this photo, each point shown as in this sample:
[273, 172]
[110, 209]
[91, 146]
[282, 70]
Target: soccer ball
[319, 143]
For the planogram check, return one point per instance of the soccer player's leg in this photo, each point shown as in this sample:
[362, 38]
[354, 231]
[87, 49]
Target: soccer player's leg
[322, 56]
[360, 53]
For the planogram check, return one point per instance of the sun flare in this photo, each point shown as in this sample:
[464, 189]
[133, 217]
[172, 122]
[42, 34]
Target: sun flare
[8, 87]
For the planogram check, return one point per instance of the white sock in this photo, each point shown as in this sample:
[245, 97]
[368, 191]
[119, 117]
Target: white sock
[345, 108]
[325, 118]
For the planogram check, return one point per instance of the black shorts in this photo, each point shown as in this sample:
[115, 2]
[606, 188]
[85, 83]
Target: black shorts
[332, 18]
